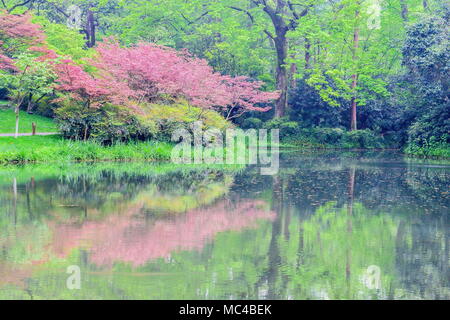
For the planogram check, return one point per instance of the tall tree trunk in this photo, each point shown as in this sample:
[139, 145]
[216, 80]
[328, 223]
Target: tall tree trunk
[404, 7]
[90, 29]
[17, 112]
[282, 74]
[85, 132]
[30, 103]
[16, 134]
[279, 12]
[307, 54]
[353, 125]
[19, 102]
[292, 73]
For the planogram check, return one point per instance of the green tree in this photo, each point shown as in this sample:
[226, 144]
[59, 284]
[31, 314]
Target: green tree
[32, 77]
[63, 40]
[426, 56]
[350, 54]
[232, 31]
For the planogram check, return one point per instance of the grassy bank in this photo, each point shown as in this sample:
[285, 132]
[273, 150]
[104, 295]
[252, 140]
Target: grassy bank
[8, 122]
[56, 149]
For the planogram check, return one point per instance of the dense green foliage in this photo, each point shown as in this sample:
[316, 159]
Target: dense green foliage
[106, 125]
[111, 124]
[385, 61]
[427, 57]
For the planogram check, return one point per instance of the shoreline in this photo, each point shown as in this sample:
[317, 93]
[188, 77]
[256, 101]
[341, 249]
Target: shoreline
[16, 163]
[53, 149]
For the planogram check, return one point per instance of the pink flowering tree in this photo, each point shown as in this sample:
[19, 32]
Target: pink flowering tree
[6, 63]
[152, 72]
[91, 90]
[18, 33]
[79, 84]
[25, 67]
[246, 95]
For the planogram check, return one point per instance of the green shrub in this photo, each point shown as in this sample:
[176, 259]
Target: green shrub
[291, 133]
[287, 128]
[252, 123]
[180, 115]
[45, 108]
[432, 147]
[431, 128]
[328, 135]
[107, 125]
[111, 124]
[361, 139]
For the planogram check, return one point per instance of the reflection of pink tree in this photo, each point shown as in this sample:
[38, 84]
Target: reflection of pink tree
[125, 238]
[13, 275]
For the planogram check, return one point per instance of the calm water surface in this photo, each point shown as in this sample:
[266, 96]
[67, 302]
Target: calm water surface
[330, 225]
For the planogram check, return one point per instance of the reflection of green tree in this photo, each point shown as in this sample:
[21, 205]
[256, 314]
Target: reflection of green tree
[313, 258]
[231, 271]
[430, 186]
[93, 193]
[423, 258]
[313, 263]
[29, 204]
[315, 248]
[326, 260]
[200, 192]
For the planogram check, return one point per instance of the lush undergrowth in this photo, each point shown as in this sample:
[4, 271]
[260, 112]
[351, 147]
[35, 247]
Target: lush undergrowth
[335, 138]
[56, 149]
[293, 133]
[8, 122]
[434, 150]
[53, 149]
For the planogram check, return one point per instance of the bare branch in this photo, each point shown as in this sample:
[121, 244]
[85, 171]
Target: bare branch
[252, 19]
[294, 22]
[245, 11]
[270, 35]
[294, 13]
[58, 9]
[17, 5]
[195, 20]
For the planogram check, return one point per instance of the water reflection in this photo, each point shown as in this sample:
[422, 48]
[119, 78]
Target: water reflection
[124, 237]
[157, 232]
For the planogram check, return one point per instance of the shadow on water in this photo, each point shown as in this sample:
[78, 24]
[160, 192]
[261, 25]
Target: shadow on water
[329, 225]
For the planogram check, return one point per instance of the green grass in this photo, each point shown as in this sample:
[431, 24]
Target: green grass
[49, 149]
[8, 122]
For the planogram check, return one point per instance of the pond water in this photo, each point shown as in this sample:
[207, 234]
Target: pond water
[330, 225]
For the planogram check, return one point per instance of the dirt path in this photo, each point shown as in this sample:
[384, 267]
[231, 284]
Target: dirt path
[28, 134]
